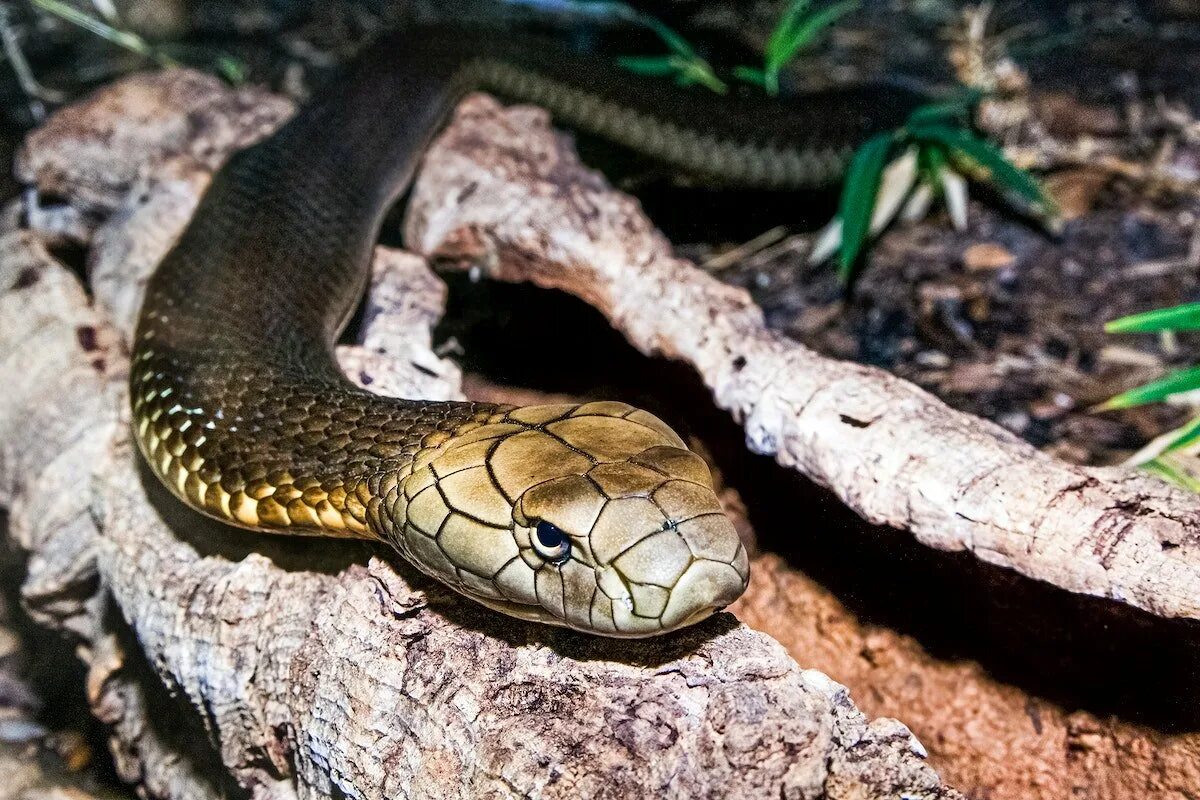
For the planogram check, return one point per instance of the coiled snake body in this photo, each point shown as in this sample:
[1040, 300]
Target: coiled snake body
[595, 516]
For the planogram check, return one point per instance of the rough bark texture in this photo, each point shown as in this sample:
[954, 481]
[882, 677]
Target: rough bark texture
[37, 763]
[231, 664]
[502, 189]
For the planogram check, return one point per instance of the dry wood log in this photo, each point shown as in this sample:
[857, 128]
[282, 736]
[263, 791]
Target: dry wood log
[502, 190]
[233, 664]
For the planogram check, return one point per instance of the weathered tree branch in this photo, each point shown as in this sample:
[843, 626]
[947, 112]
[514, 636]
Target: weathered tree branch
[501, 189]
[306, 668]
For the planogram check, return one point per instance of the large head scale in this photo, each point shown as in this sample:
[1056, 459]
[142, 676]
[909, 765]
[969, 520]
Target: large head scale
[596, 517]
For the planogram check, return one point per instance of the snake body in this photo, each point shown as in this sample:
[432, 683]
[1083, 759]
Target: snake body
[593, 516]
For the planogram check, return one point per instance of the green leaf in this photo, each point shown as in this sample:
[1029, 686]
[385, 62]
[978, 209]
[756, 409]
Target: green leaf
[789, 20]
[1184, 435]
[600, 8]
[956, 109]
[990, 158]
[125, 39]
[232, 69]
[650, 65]
[1184, 317]
[1184, 380]
[697, 71]
[944, 181]
[683, 62]
[795, 30]
[673, 40]
[771, 81]
[858, 198]
[804, 34]
[1168, 471]
[931, 160]
[687, 72]
[751, 75]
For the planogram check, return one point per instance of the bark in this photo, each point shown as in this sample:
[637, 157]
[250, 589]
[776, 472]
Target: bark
[502, 190]
[230, 664]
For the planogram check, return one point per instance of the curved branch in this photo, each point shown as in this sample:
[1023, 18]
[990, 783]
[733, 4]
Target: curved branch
[312, 667]
[502, 189]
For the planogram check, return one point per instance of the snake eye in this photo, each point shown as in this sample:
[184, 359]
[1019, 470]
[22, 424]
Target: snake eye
[551, 543]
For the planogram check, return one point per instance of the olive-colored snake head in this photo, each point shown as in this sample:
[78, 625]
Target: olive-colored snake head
[595, 517]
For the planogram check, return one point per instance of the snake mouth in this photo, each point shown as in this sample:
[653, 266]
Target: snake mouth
[699, 615]
[532, 613]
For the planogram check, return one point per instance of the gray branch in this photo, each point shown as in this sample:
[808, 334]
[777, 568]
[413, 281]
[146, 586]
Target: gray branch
[300, 668]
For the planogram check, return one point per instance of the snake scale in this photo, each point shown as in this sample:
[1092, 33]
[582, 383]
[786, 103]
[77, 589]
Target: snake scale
[594, 516]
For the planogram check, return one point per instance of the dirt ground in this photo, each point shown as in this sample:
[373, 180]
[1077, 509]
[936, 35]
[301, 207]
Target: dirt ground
[1016, 690]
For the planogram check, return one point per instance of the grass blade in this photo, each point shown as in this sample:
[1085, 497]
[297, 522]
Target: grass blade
[685, 71]
[683, 61]
[957, 109]
[600, 9]
[858, 198]
[125, 39]
[992, 160]
[650, 65]
[795, 30]
[785, 26]
[697, 70]
[1185, 317]
[807, 32]
[952, 187]
[751, 75]
[232, 69]
[1184, 435]
[1184, 380]
[1167, 470]
[673, 40]
[894, 190]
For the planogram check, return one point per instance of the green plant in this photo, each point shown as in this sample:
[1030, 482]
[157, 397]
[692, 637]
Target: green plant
[1156, 458]
[682, 63]
[895, 173]
[798, 28]
[124, 39]
[230, 68]
[901, 171]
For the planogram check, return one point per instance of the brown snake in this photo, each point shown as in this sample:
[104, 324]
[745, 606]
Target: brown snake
[595, 516]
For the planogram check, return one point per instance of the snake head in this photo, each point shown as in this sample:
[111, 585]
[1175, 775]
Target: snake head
[594, 517]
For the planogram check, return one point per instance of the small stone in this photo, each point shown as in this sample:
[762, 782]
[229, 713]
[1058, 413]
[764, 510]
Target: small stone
[932, 359]
[1075, 190]
[987, 256]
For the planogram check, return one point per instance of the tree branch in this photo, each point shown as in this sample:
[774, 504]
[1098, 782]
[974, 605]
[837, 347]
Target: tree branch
[305, 668]
[502, 190]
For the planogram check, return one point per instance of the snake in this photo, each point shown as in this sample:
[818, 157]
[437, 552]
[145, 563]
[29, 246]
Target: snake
[594, 516]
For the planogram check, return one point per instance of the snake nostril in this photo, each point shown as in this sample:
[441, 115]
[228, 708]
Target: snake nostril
[705, 588]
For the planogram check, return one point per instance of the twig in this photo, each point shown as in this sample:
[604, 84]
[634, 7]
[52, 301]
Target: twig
[127, 40]
[38, 95]
[756, 245]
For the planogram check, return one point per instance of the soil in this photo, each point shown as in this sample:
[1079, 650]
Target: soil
[1017, 691]
[1006, 322]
